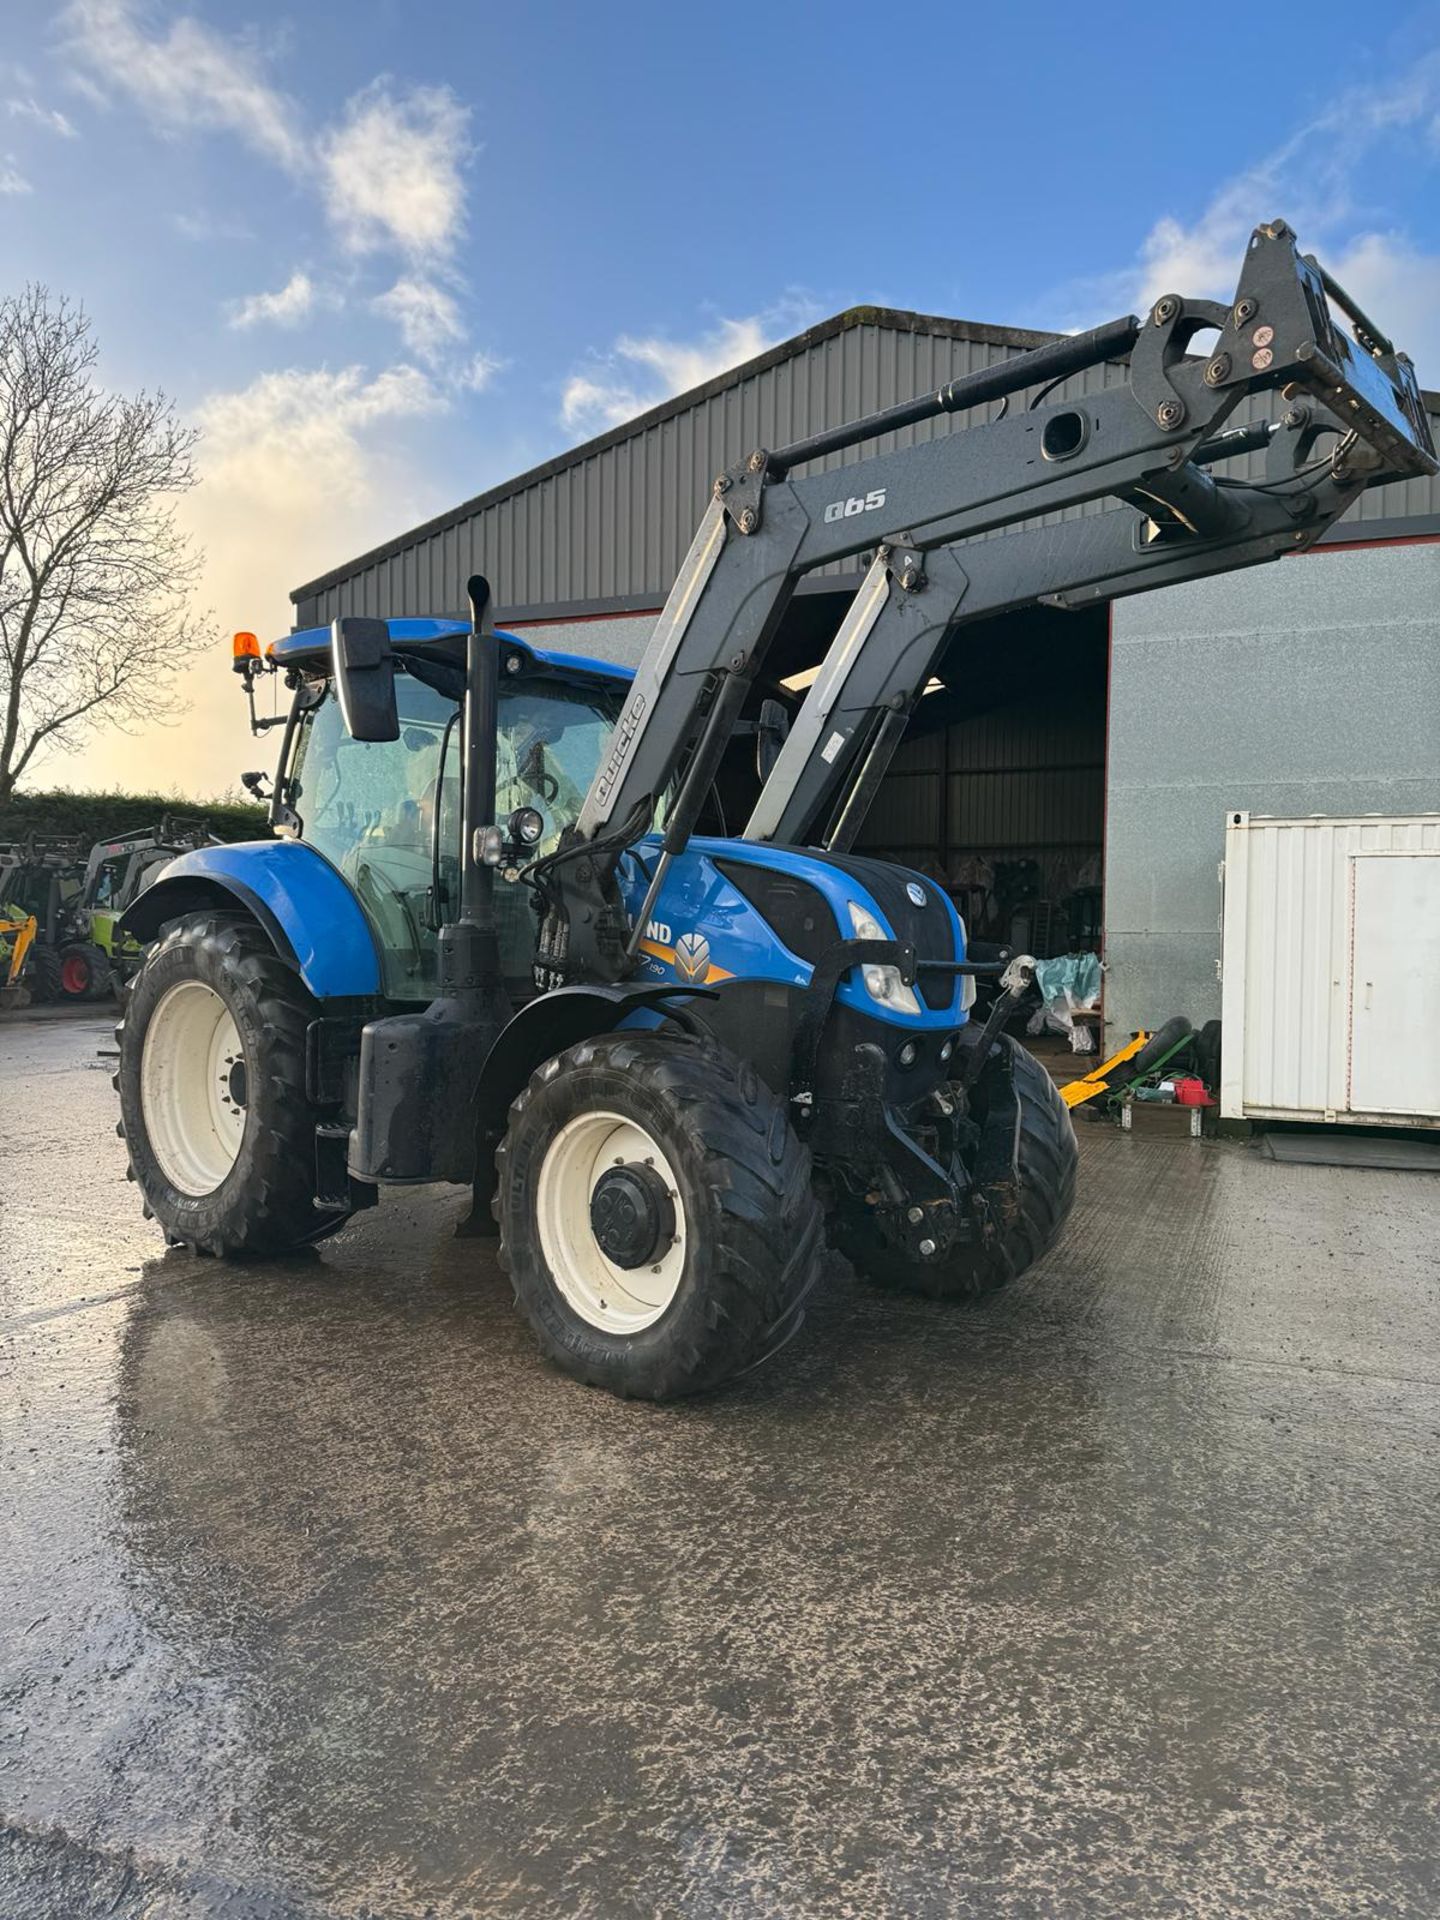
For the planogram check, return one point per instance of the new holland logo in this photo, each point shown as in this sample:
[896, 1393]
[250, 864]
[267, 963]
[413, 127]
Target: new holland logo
[692, 956]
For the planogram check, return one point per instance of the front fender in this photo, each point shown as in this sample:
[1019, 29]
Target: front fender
[304, 905]
[562, 1019]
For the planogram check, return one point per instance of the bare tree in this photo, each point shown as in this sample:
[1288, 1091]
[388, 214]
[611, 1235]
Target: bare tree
[95, 575]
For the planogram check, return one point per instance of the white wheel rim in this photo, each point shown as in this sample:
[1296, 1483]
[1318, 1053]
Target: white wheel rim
[616, 1299]
[191, 1094]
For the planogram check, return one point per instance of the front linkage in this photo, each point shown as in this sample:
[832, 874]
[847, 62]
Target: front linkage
[922, 1168]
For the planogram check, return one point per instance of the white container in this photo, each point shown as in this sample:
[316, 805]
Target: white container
[1330, 969]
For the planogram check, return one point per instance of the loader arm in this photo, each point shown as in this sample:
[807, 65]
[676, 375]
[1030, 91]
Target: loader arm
[859, 705]
[1137, 441]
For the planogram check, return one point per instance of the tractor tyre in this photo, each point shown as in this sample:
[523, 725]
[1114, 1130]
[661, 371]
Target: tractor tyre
[84, 971]
[213, 1104]
[656, 1214]
[1022, 1192]
[42, 974]
[1152, 1053]
[1207, 1055]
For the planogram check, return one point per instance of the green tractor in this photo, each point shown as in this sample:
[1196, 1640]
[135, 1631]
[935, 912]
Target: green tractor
[94, 956]
[78, 951]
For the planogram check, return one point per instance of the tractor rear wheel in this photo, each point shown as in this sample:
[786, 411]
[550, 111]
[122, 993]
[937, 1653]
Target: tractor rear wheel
[84, 971]
[42, 974]
[1022, 1192]
[656, 1215]
[214, 1111]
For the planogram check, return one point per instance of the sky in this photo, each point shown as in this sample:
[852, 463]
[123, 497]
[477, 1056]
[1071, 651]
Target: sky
[387, 253]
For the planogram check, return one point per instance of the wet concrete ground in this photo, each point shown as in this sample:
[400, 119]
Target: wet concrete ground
[321, 1596]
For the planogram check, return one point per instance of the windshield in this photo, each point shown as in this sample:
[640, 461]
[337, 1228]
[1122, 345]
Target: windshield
[370, 808]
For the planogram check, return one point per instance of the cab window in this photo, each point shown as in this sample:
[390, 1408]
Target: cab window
[369, 808]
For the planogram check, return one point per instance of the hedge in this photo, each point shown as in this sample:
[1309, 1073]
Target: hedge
[88, 817]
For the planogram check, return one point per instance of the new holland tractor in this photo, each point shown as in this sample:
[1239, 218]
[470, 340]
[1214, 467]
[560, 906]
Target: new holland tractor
[491, 946]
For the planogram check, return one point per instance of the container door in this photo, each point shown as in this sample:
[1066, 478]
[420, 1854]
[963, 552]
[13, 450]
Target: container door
[1395, 983]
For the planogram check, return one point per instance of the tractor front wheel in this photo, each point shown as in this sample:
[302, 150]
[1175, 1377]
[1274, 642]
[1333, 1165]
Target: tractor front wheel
[1022, 1187]
[212, 1091]
[656, 1215]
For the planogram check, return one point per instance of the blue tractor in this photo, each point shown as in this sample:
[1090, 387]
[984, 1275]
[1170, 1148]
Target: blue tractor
[491, 943]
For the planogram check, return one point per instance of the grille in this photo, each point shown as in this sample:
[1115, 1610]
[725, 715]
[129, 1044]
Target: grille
[927, 929]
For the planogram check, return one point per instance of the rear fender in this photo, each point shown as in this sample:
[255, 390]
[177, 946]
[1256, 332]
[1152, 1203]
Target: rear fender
[308, 911]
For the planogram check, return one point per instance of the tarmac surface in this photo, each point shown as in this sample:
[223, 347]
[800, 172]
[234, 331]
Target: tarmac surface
[320, 1595]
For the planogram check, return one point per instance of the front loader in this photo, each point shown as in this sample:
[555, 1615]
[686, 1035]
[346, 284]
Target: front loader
[493, 945]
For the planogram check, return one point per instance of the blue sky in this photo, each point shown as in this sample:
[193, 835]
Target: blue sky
[388, 254]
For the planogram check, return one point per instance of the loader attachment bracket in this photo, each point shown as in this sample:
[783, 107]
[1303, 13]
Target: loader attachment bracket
[1280, 331]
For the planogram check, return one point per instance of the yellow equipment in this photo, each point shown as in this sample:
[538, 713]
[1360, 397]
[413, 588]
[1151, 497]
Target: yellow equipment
[18, 934]
[1098, 1082]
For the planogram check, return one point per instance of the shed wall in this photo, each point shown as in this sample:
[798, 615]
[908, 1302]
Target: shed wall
[1311, 686]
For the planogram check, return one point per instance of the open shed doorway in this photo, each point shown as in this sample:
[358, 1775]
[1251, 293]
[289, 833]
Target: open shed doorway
[998, 791]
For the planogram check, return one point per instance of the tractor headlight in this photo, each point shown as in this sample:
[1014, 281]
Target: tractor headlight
[881, 983]
[526, 826]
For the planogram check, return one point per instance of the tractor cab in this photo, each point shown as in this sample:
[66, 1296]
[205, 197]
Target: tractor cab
[386, 814]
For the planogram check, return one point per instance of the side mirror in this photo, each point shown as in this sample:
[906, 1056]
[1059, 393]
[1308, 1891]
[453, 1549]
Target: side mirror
[772, 730]
[365, 678]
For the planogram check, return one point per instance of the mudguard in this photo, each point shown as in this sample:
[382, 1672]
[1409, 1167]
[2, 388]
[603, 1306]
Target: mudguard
[300, 900]
[560, 1019]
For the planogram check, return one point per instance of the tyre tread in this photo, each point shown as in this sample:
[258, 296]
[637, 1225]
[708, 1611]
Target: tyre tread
[274, 1211]
[760, 1208]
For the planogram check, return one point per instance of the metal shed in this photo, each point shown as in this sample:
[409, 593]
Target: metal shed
[602, 527]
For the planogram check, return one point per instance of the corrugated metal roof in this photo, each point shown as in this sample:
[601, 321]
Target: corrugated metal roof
[609, 522]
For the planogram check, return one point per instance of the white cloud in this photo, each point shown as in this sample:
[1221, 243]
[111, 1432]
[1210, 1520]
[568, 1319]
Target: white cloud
[589, 406]
[50, 118]
[393, 172]
[188, 77]
[1309, 179]
[640, 372]
[11, 179]
[478, 372]
[390, 174]
[677, 366]
[298, 470]
[1317, 180]
[428, 317]
[1399, 284]
[287, 308]
[293, 435]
